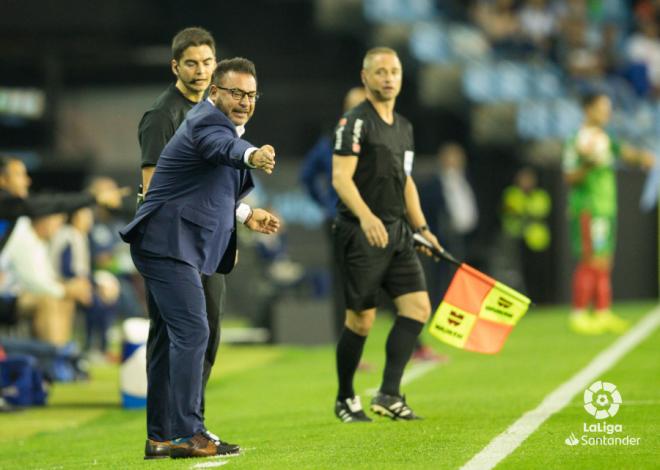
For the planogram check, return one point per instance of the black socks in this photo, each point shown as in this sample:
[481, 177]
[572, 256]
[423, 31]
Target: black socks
[349, 352]
[399, 347]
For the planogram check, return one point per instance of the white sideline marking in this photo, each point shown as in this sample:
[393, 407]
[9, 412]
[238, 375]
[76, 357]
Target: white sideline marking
[215, 463]
[504, 444]
[416, 371]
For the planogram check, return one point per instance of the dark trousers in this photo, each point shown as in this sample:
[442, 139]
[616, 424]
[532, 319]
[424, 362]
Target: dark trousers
[214, 294]
[178, 337]
[338, 301]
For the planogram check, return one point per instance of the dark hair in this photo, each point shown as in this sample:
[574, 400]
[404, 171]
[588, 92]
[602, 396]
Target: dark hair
[237, 64]
[590, 98]
[191, 37]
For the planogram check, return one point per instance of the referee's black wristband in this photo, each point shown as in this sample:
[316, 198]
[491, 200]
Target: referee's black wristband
[421, 229]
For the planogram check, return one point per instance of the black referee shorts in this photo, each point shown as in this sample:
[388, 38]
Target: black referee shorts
[364, 268]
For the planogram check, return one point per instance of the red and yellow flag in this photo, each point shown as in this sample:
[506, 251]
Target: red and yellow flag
[477, 313]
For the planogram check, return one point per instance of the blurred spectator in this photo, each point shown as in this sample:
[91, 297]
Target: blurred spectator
[578, 52]
[29, 283]
[70, 246]
[525, 212]
[646, 10]
[110, 253]
[643, 47]
[71, 257]
[450, 207]
[316, 177]
[499, 20]
[29, 271]
[539, 23]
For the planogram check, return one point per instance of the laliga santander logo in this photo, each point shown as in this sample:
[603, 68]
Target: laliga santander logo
[602, 400]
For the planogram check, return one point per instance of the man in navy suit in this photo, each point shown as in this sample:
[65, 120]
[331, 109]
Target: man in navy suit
[185, 228]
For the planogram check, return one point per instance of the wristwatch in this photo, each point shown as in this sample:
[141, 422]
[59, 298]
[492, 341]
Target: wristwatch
[421, 229]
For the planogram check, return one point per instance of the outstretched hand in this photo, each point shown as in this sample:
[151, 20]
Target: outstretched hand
[263, 159]
[263, 222]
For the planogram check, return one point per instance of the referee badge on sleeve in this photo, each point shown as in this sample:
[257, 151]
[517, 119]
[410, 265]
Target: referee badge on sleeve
[408, 157]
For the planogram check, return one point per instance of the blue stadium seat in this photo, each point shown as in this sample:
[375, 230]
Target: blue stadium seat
[642, 120]
[546, 83]
[507, 81]
[566, 118]
[513, 81]
[533, 120]
[467, 43]
[429, 43]
[399, 11]
[478, 82]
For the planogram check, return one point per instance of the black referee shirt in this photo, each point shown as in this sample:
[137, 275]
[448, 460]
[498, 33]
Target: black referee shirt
[160, 122]
[385, 156]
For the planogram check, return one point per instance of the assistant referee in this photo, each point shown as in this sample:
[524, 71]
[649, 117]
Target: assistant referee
[378, 210]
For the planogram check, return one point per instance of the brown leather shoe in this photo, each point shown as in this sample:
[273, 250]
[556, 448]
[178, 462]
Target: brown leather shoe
[157, 449]
[196, 446]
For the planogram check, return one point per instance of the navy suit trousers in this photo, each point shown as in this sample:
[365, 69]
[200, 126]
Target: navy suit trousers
[180, 336]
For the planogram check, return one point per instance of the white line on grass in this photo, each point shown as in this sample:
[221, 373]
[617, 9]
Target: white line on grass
[415, 371]
[504, 444]
[215, 463]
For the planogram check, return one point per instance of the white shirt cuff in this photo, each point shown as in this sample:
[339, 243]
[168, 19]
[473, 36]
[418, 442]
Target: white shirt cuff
[246, 156]
[243, 212]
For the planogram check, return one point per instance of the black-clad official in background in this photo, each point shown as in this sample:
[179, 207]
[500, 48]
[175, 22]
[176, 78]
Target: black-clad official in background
[378, 205]
[193, 63]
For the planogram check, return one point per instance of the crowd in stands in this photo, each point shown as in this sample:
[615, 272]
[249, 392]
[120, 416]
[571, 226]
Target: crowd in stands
[541, 55]
[59, 255]
[592, 41]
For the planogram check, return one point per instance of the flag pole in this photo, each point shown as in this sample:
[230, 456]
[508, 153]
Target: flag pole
[442, 253]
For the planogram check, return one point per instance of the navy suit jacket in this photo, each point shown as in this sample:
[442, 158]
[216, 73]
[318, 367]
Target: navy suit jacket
[189, 211]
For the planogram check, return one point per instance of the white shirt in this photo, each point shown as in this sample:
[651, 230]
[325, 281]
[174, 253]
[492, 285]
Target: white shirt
[243, 210]
[646, 50]
[460, 200]
[25, 259]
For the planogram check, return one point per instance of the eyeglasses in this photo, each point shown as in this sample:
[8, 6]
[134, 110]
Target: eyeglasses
[238, 94]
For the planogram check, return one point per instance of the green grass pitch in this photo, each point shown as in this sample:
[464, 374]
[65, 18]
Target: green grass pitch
[277, 403]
